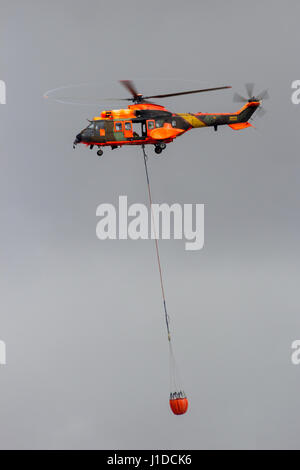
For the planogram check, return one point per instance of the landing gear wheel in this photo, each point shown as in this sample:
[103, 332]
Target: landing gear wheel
[158, 149]
[163, 146]
[100, 153]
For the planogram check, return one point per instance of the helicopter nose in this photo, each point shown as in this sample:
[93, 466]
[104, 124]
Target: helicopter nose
[77, 140]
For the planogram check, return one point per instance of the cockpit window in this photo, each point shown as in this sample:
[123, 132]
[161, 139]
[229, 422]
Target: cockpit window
[159, 123]
[91, 126]
[100, 125]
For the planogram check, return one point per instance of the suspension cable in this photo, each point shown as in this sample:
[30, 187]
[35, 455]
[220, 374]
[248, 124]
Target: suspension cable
[156, 246]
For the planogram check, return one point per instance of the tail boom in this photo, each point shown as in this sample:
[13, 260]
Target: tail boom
[234, 120]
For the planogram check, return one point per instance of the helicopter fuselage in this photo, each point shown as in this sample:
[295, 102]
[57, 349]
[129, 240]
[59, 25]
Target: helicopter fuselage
[148, 123]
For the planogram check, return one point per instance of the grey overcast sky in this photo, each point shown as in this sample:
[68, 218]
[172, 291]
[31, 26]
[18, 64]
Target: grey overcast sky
[87, 356]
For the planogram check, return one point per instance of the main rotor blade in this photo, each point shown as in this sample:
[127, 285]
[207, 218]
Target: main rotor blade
[130, 87]
[264, 95]
[237, 98]
[249, 88]
[92, 101]
[186, 92]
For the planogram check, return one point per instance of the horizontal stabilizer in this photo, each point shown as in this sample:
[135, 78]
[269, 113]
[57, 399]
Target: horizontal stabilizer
[240, 125]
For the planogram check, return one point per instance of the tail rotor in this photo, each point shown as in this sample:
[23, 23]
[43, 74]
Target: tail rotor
[264, 95]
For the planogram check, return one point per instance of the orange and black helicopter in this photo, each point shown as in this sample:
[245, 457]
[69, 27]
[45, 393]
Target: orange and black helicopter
[144, 122]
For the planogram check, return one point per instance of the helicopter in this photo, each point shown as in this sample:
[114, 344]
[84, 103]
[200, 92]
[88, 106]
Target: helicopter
[146, 123]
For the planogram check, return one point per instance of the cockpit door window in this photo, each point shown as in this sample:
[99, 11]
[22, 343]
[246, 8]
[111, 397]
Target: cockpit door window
[150, 125]
[118, 126]
[100, 126]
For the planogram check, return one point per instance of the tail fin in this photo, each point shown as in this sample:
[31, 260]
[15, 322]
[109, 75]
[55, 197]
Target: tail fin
[245, 113]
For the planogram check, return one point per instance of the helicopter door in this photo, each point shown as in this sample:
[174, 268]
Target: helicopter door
[119, 130]
[100, 129]
[150, 126]
[128, 129]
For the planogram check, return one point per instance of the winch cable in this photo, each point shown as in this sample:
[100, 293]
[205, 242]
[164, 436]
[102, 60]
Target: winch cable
[156, 247]
[178, 400]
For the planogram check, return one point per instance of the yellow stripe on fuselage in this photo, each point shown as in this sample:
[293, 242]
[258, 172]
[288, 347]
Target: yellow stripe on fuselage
[191, 119]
